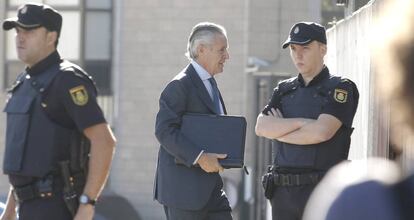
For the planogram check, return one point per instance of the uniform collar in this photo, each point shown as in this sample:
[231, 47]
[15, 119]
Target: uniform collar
[44, 64]
[324, 74]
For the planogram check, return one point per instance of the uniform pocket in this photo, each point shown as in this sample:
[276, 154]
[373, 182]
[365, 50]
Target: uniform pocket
[18, 121]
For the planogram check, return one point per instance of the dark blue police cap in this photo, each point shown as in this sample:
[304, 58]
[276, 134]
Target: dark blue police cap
[32, 15]
[305, 32]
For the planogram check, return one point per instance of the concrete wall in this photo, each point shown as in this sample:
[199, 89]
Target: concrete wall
[269, 26]
[349, 55]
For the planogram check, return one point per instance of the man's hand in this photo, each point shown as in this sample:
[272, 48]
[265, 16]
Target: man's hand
[209, 162]
[274, 125]
[85, 212]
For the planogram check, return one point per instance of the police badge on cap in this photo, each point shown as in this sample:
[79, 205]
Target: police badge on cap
[32, 15]
[305, 32]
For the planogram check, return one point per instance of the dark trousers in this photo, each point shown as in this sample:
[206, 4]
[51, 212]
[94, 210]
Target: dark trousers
[217, 208]
[44, 209]
[288, 202]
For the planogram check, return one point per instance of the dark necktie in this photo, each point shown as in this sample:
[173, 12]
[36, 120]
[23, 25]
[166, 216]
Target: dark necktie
[216, 97]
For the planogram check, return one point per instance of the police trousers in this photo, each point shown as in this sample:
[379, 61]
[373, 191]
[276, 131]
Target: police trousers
[288, 202]
[53, 207]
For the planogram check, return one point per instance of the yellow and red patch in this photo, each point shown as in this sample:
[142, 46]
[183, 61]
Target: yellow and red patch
[79, 95]
[340, 95]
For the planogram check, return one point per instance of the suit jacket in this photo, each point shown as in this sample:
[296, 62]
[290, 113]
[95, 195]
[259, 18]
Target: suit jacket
[182, 186]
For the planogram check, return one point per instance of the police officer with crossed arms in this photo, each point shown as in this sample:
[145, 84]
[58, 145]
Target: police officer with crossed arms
[59, 146]
[309, 118]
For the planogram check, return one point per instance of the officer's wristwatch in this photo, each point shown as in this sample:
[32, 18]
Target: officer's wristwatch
[84, 199]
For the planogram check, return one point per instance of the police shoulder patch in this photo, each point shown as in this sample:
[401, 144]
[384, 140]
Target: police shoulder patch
[79, 95]
[340, 95]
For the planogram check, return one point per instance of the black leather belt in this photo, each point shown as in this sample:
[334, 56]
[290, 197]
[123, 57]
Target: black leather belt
[280, 179]
[44, 187]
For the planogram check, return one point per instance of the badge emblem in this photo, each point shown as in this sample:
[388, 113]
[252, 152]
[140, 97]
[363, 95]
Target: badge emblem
[79, 95]
[296, 31]
[23, 10]
[340, 95]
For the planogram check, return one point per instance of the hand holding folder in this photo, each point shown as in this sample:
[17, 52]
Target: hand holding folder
[219, 134]
[210, 162]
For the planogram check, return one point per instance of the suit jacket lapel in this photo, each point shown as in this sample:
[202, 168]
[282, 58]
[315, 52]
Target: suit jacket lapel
[201, 89]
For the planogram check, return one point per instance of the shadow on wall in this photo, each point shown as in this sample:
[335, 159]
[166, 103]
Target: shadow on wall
[113, 207]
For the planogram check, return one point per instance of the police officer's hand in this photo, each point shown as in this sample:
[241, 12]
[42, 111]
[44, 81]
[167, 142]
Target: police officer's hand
[276, 113]
[209, 162]
[85, 212]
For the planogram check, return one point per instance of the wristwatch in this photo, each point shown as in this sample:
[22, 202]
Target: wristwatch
[84, 199]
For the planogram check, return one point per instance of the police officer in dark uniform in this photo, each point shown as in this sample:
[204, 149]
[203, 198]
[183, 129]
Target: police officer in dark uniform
[59, 146]
[309, 118]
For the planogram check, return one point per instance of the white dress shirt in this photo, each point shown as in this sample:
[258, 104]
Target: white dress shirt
[204, 76]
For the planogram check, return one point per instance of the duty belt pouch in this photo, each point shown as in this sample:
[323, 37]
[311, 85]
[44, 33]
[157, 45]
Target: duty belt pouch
[268, 184]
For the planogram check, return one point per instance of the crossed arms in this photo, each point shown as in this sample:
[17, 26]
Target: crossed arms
[300, 131]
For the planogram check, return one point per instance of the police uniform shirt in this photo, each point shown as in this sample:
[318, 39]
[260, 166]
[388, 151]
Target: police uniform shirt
[61, 104]
[339, 101]
[59, 101]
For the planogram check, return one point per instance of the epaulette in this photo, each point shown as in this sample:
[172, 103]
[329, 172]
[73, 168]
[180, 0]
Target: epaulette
[288, 85]
[68, 67]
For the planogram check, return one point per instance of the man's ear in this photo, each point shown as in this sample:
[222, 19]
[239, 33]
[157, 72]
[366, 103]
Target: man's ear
[200, 49]
[51, 37]
[323, 48]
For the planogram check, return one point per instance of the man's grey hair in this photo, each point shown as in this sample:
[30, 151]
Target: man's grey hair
[202, 33]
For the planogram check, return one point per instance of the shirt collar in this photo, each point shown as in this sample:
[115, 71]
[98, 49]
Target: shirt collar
[318, 78]
[44, 64]
[202, 73]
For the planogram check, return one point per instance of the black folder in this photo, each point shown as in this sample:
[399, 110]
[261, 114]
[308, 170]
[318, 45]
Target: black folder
[221, 134]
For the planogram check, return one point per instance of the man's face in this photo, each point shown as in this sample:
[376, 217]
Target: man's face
[33, 45]
[212, 57]
[308, 58]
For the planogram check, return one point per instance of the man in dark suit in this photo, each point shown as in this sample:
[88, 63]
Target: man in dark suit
[192, 190]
